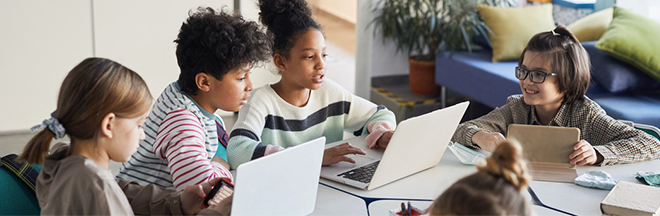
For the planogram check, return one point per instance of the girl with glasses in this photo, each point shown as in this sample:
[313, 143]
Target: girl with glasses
[554, 74]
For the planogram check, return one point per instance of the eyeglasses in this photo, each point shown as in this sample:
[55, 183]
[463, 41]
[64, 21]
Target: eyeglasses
[534, 75]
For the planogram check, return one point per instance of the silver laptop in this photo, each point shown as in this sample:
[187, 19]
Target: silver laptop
[284, 183]
[417, 144]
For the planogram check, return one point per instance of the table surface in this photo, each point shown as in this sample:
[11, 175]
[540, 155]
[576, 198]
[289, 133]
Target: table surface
[425, 186]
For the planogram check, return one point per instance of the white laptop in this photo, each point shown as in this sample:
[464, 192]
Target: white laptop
[283, 183]
[417, 144]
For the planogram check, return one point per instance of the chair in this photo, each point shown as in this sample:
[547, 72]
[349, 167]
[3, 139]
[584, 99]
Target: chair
[650, 129]
[18, 198]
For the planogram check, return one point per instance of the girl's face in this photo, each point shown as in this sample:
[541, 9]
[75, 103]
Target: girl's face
[127, 136]
[544, 95]
[305, 66]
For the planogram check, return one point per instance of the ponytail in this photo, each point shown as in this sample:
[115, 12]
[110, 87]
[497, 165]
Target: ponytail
[36, 149]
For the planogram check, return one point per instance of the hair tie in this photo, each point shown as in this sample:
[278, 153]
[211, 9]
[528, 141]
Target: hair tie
[53, 125]
[555, 33]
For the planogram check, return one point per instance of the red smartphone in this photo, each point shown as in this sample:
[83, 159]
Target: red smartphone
[220, 191]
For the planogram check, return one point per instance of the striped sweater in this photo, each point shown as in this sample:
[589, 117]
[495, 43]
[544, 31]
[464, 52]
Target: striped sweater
[181, 139]
[267, 123]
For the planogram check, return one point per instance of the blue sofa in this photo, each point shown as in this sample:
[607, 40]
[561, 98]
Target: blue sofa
[475, 76]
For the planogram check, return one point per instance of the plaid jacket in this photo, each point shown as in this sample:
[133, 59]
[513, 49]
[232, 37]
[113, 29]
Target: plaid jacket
[616, 141]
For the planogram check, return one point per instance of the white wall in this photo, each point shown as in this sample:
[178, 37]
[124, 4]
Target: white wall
[373, 57]
[42, 40]
[648, 8]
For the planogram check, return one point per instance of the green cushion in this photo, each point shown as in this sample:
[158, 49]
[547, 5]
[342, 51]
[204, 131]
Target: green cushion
[16, 197]
[633, 38]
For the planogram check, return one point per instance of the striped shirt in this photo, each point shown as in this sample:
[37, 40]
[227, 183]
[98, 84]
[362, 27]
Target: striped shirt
[616, 141]
[268, 121]
[181, 139]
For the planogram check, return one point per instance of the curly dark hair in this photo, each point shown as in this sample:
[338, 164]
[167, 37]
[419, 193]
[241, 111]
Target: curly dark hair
[214, 42]
[286, 21]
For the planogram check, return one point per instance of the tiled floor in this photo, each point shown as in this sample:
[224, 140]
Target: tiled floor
[340, 68]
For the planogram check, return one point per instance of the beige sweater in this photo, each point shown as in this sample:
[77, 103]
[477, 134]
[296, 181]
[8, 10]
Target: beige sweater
[76, 185]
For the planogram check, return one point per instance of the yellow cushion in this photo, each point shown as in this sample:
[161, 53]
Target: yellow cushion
[513, 27]
[591, 27]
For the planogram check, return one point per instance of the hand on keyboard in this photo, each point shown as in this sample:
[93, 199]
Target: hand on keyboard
[336, 154]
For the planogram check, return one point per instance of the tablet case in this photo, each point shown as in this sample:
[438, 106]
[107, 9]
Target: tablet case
[547, 149]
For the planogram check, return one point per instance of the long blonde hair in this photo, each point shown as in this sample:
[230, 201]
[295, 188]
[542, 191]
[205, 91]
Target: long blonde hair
[91, 90]
[496, 188]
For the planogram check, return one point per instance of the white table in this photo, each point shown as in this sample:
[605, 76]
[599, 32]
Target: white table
[333, 202]
[429, 184]
[580, 200]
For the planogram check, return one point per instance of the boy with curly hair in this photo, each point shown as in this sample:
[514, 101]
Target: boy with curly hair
[186, 143]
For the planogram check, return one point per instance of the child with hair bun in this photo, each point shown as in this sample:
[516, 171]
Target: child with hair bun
[554, 74]
[496, 188]
[303, 104]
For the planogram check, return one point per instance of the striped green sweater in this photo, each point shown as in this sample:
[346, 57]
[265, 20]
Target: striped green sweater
[267, 123]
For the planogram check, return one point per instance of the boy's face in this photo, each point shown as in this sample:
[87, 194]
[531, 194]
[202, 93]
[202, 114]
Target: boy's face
[544, 95]
[305, 66]
[232, 92]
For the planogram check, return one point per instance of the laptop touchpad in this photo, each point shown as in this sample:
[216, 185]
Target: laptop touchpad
[359, 161]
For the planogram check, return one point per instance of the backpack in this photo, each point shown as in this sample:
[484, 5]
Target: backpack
[17, 187]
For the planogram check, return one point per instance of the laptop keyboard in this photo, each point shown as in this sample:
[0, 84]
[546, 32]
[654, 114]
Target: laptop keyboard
[362, 174]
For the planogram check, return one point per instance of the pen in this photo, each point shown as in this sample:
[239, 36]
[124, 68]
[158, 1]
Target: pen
[409, 209]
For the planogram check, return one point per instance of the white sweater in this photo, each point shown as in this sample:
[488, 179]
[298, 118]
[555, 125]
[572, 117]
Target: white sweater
[267, 122]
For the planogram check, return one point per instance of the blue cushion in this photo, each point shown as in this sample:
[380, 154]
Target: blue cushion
[616, 76]
[476, 76]
[638, 108]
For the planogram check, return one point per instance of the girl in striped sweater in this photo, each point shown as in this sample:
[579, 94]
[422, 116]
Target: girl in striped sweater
[302, 105]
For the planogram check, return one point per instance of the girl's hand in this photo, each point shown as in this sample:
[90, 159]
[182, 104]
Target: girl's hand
[488, 141]
[336, 154]
[224, 207]
[384, 140]
[584, 154]
[193, 196]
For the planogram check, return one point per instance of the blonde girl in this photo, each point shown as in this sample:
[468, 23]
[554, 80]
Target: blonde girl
[101, 106]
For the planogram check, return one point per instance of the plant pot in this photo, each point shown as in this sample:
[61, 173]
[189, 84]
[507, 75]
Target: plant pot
[422, 78]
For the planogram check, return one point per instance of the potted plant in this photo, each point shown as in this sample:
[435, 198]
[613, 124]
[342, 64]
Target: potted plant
[424, 28]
